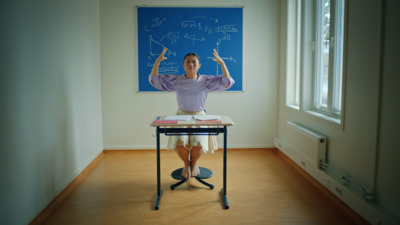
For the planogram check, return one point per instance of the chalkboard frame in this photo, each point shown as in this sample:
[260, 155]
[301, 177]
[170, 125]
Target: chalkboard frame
[226, 37]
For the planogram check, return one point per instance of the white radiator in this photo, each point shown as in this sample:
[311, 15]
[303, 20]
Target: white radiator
[312, 144]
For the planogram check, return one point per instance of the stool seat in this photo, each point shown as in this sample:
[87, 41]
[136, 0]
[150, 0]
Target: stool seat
[204, 174]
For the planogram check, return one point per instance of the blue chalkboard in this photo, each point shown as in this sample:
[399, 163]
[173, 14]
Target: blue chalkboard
[183, 30]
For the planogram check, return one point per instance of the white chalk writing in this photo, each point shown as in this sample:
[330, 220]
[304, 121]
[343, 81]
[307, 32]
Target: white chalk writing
[172, 36]
[195, 29]
[156, 22]
[193, 38]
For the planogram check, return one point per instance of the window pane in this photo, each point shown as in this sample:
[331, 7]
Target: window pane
[322, 54]
[298, 54]
[325, 62]
[293, 65]
[338, 56]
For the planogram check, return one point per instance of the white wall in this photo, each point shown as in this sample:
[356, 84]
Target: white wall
[127, 113]
[365, 146]
[50, 96]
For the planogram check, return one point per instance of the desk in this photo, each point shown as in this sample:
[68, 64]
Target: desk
[213, 128]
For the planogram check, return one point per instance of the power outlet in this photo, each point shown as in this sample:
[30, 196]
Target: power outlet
[278, 143]
[327, 182]
[339, 190]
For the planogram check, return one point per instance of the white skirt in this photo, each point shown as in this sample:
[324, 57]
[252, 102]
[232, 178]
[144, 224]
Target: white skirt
[207, 142]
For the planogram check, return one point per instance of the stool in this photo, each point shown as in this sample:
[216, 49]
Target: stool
[204, 174]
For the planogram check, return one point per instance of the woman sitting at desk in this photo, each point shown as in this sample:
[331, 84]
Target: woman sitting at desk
[191, 94]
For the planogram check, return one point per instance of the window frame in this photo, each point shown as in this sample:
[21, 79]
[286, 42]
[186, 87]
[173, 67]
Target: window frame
[336, 48]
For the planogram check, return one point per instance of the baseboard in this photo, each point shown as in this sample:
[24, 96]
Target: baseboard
[339, 193]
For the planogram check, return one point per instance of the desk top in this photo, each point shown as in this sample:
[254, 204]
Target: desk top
[158, 122]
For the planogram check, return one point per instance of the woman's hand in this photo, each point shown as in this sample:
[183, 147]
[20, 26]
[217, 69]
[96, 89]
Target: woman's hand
[225, 71]
[154, 71]
[162, 57]
[217, 59]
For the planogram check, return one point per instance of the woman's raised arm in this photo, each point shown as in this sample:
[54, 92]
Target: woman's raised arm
[160, 58]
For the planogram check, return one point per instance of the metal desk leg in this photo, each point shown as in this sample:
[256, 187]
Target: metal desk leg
[223, 191]
[159, 191]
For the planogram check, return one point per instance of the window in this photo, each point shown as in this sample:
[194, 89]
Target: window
[328, 53]
[315, 51]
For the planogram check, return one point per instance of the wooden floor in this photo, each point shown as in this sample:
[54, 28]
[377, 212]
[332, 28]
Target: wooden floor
[263, 187]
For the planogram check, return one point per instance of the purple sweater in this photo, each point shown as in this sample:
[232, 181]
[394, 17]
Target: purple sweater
[191, 94]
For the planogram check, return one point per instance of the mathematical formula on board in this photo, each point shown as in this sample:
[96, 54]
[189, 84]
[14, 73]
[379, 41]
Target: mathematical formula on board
[184, 30]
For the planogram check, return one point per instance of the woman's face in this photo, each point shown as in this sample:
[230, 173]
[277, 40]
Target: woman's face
[191, 64]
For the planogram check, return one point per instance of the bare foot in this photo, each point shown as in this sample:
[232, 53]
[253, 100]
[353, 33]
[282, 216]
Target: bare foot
[186, 172]
[195, 170]
[195, 154]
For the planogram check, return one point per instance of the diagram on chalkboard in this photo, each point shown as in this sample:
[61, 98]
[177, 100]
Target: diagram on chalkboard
[193, 38]
[156, 49]
[172, 37]
[225, 58]
[184, 29]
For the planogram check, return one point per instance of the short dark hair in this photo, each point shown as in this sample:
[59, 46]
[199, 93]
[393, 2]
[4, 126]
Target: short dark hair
[190, 54]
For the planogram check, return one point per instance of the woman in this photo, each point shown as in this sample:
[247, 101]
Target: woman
[191, 94]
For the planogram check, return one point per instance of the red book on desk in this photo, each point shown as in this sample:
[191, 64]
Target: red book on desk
[207, 118]
[165, 121]
[208, 121]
